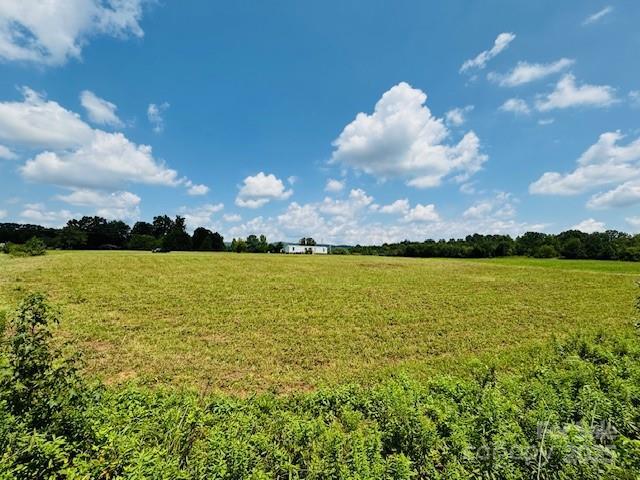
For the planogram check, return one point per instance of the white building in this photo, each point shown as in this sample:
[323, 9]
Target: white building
[308, 249]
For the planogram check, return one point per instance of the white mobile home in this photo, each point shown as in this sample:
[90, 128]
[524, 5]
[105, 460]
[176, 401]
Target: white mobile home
[308, 249]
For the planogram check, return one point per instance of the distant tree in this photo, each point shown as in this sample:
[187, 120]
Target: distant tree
[101, 232]
[92, 227]
[545, 251]
[630, 254]
[600, 245]
[307, 241]
[71, 238]
[275, 247]
[143, 242]
[263, 244]
[572, 248]
[238, 245]
[20, 233]
[180, 223]
[162, 225]
[202, 240]
[115, 232]
[207, 244]
[528, 243]
[253, 244]
[257, 244]
[177, 238]
[142, 228]
[217, 242]
[504, 249]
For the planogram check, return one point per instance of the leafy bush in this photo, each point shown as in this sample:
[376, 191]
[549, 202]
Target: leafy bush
[31, 248]
[575, 415]
[43, 400]
[35, 247]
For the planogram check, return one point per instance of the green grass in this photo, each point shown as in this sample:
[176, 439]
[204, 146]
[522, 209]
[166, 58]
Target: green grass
[247, 323]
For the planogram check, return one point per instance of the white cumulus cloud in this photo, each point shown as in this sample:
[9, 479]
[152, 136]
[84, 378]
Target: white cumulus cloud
[201, 216]
[568, 94]
[195, 190]
[99, 110]
[356, 219]
[422, 213]
[39, 214]
[39, 123]
[634, 222]
[68, 152]
[623, 195]
[110, 160]
[357, 201]
[457, 116]
[53, 31]
[501, 206]
[260, 189]
[401, 138]
[400, 206]
[111, 205]
[501, 42]
[305, 219]
[6, 153]
[334, 185]
[604, 163]
[589, 226]
[515, 105]
[232, 217]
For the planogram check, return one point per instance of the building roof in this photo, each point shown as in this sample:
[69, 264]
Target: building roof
[316, 245]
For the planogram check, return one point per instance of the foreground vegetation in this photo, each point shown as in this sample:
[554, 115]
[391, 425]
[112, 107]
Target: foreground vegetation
[574, 415]
[246, 323]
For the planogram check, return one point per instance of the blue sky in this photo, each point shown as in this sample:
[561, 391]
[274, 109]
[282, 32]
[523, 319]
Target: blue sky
[358, 122]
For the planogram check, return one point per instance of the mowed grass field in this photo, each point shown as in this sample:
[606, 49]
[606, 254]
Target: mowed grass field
[242, 323]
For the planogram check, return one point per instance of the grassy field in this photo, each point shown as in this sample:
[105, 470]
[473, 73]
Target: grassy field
[247, 323]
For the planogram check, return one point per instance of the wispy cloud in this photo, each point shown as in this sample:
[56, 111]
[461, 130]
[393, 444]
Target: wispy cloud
[480, 61]
[155, 116]
[525, 72]
[596, 17]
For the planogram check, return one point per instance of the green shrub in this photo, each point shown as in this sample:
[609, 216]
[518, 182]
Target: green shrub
[574, 415]
[42, 398]
[35, 247]
[32, 248]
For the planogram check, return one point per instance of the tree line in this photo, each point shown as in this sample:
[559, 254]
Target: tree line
[100, 233]
[571, 244]
[164, 233]
[169, 233]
